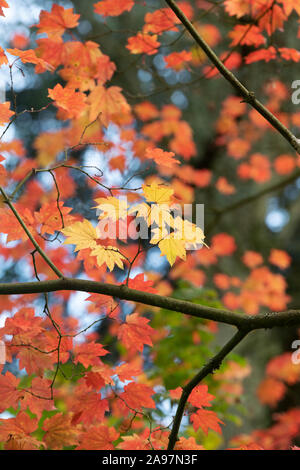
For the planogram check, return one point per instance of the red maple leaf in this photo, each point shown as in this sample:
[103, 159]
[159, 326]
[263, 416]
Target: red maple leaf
[135, 332]
[206, 419]
[137, 396]
[113, 7]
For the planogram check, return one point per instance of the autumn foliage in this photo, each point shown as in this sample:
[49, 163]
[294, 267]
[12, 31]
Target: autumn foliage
[95, 371]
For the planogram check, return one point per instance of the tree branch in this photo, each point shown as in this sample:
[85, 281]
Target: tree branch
[240, 320]
[248, 96]
[31, 238]
[212, 365]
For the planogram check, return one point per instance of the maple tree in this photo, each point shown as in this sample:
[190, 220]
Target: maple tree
[101, 199]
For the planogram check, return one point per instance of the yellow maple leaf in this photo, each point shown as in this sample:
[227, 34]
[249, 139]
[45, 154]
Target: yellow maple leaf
[157, 193]
[108, 255]
[189, 232]
[82, 234]
[112, 208]
[172, 247]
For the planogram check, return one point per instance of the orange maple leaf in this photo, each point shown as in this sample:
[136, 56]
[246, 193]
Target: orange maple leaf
[137, 396]
[30, 57]
[60, 431]
[187, 444]
[177, 60]
[19, 430]
[87, 353]
[200, 396]
[143, 44]
[113, 7]
[107, 103]
[206, 419]
[135, 332]
[98, 438]
[160, 157]
[55, 23]
[9, 394]
[70, 100]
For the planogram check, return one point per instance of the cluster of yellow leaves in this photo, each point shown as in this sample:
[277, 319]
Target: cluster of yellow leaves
[172, 234]
[84, 235]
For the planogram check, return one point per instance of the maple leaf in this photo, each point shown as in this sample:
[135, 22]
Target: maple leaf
[171, 248]
[273, 19]
[106, 103]
[206, 419]
[200, 397]
[161, 157]
[24, 322]
[50, 217]
[261, 54]
[87, 353]
[112, 208]
[134, 442]
[19, 429]
[30, 57]
[177, 60]
[105, 69]
[34, 361]
[241, 34]
[139, 283]
[9, 393]
[60, 431]
[99, 376]
[55, 23]
[88, 407]
[113, 7]
[138, 396]
[108, 255]
[160, 20]
[127, 371]
[98, 438]
[69, 100]
[143, 44]
[237, 8]
[159, 194]
[187, 444]
[289, 5]
[135, 332]
[5, 113]
[39, 388]
[81, 234]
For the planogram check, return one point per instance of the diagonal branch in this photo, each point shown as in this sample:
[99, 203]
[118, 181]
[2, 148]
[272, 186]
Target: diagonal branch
[248, 96]
[209, 368]
[31, 238]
